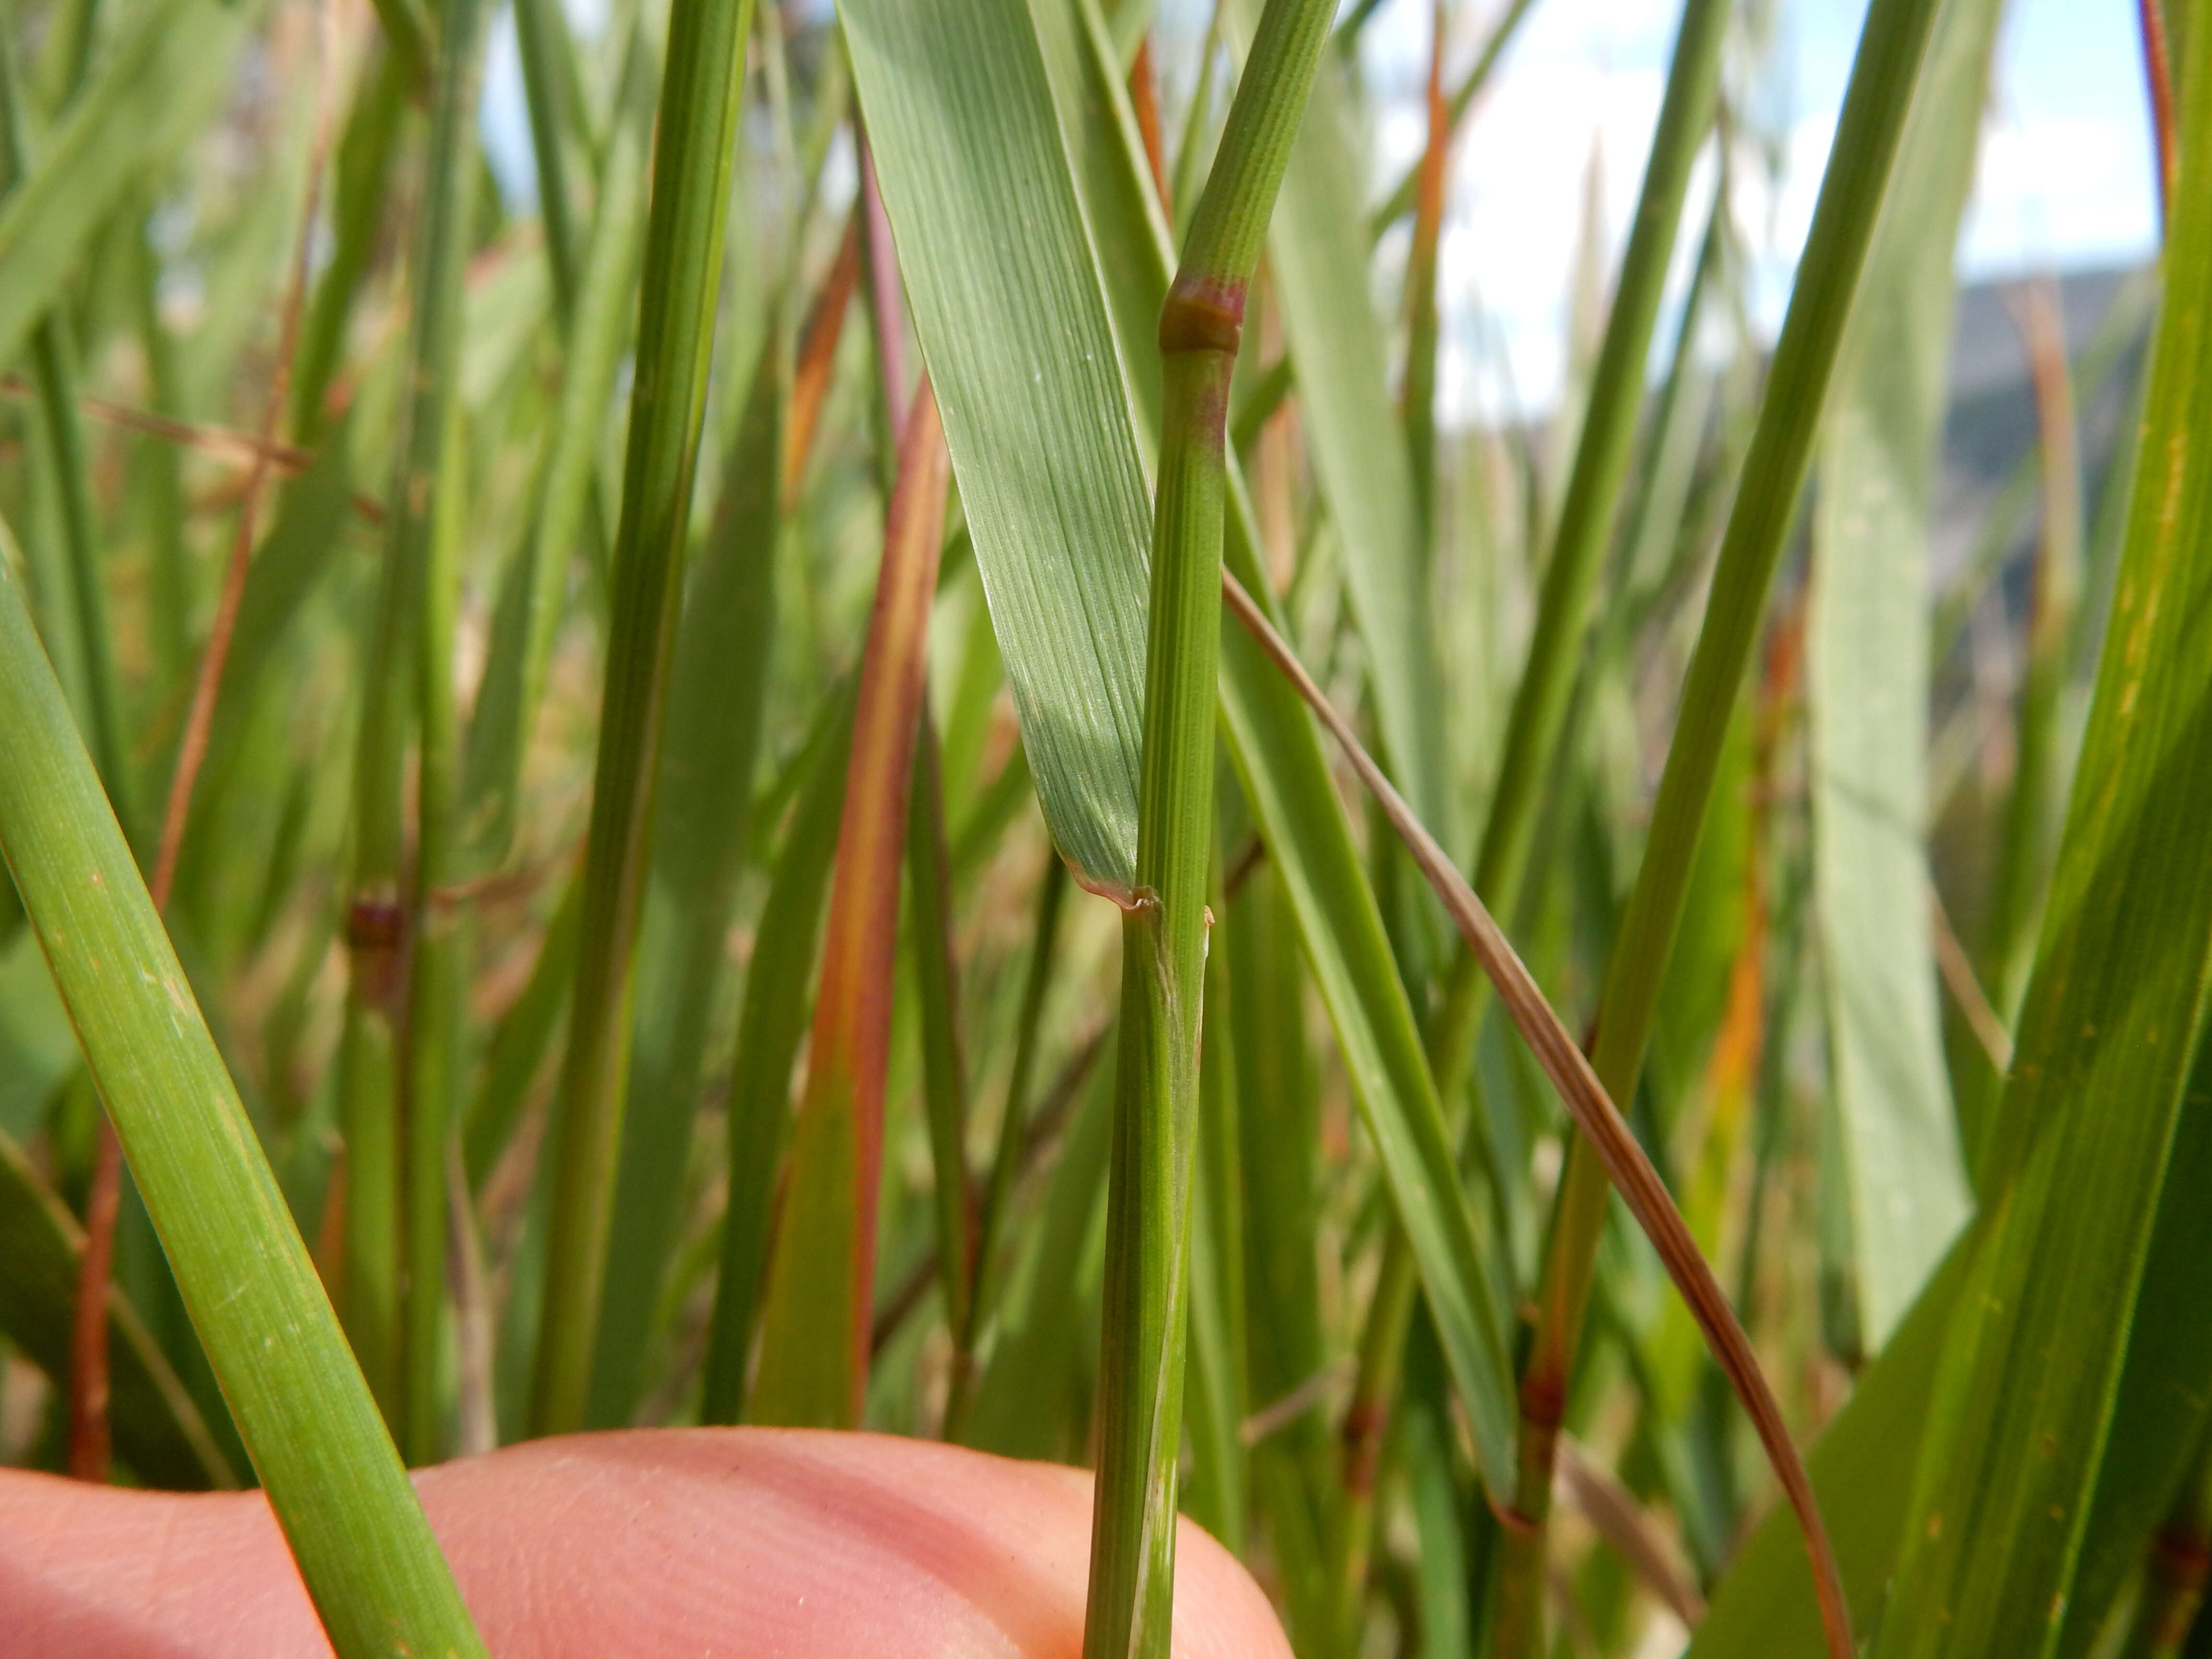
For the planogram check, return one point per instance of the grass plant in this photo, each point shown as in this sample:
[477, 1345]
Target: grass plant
[749, 837]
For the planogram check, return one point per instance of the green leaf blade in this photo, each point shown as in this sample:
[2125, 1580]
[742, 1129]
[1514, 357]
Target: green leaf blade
[314, 1432]
[1021, 354]
[1867, 696]
[2022, 1408]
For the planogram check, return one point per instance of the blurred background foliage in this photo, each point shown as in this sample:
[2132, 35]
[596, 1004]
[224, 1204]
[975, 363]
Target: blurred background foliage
[1837, 1014]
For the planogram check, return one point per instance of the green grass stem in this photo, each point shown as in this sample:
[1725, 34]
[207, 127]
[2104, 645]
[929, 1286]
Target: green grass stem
[1164, 919]
[1875, 103]
[991, 1218]
[701, 93]
[308, 1420]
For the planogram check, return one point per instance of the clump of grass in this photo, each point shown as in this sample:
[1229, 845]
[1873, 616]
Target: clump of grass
[538, 796]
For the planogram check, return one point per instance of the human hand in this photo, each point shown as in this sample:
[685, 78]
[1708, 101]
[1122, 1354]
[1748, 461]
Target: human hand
[737, 1543]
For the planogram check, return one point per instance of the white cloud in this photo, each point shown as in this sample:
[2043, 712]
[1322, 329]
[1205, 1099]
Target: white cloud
[2072, 189]
[2063, 176]
[1581, 95]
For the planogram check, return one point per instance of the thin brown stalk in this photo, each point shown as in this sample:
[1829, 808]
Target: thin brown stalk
[883, 292]
[227, 443]
[1616, 1516]
[1595, 1113]
[1145, 101]
[88, 1437]
[1279, 1414]
[248, 450]
[817, 356]
[2158, 72]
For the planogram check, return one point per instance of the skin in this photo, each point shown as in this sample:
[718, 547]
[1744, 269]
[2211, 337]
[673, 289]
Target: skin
[742, 1543]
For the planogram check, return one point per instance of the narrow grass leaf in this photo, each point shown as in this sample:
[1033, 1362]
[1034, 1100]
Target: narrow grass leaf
[771, 1025]
[1537, 726]
[532, 600]
[437, 969]
[2164, 1400]
[1866, 696]
[717, 688]
[1356, 446]
[154, 84]
[515, 1052]
[816, 1317]
[354, 1524]
[1279, 1159]
[403, 658]
[2041, 746]
[358, 195]
[549, 75]
[693, 152]
[998, 1193]
[1219, 1397]
[2018, 1433]
[1864, 1464]
[929, 933]
[1024, 361]
[1034, 1398]
[54, 369]
[312, 526]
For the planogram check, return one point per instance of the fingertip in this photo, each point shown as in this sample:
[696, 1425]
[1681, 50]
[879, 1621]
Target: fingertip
[1220, 1612]
[829, 1544]
[738, 1542]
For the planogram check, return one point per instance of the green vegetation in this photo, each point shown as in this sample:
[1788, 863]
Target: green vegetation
[878, 765]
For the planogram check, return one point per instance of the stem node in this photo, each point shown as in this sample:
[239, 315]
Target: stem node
[1203, 313]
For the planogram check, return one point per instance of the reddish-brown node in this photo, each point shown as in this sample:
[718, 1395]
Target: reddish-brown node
[1204, 314]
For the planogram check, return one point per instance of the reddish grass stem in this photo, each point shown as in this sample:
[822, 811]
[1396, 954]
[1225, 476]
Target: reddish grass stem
[2158, 72]
[1145, 102]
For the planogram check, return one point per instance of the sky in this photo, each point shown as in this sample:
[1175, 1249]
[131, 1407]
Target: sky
[2064, 179]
